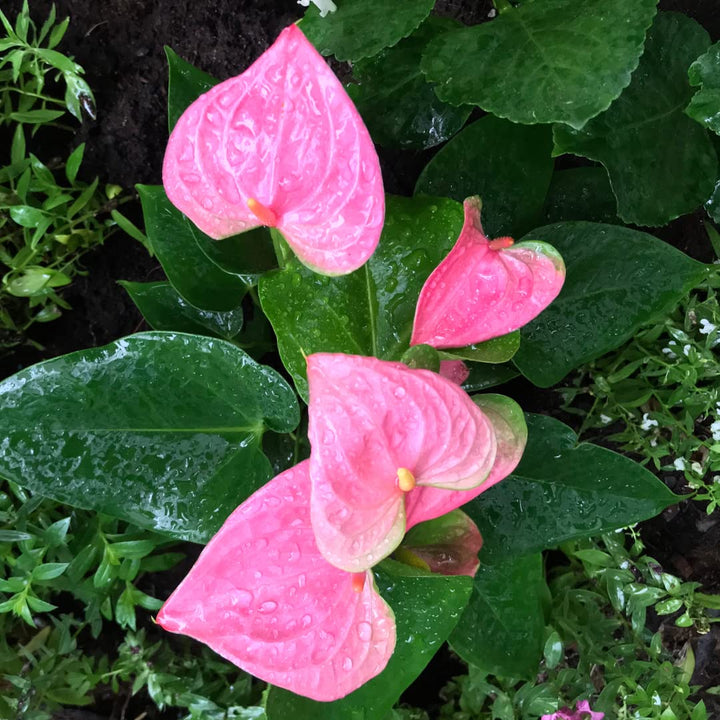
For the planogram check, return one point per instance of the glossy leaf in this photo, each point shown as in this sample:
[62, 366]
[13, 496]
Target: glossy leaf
[362, 28]
[310, 171]
[426, 607]
[495, 351]
[370, 421]
[164, 309]
[482, 290]
[562, 490]
[617, 280]
[369, 312]
[705, 104]
[660, 162]
[186, 83]
[501, 630]
[509, 166]
[543, 62]
[448, 545]
[173, 239]
[263, 597]
[160, 429]
[483, 377]
[398, 105]
[582, 193]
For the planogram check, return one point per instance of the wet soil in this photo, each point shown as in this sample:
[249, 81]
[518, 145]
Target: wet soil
[120, 44]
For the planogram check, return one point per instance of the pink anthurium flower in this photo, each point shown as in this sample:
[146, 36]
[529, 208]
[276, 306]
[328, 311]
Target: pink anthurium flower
[281, 145]
[382, 433]
[485, 288]
[448, 545]
[582, 712]
[510, 429]
[262, 596]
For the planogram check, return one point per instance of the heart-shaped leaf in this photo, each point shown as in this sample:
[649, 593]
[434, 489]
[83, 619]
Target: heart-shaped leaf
[563, 490]
[381, 432]
[186, 83]
[501, 630]
[369, 312]
[362, 28]
[398, 105]
[165, 309]
[509, 166]
[426, 607]
[543, 62]
[160, 429]
[705, 104]
[263, 597]
[617, 280]
[660, 162]
[311, 171]
[582, 193]
[483, 289]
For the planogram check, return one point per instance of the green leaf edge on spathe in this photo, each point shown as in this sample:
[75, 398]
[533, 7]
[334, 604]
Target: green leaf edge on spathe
[549, 347]
[420, 635]
[69, 423]
[504, 512]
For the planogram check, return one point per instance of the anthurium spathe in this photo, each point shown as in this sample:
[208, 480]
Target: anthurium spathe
[511, 434]
[281, 145]
[382, 433]
[262, 596]
[485, 288]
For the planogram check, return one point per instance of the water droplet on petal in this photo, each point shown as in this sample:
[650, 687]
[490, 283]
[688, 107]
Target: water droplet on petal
[268, 606]
[347, 664]
[365, 631]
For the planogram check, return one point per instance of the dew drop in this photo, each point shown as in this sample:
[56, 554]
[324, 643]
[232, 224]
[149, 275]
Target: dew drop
[328, 437]
[242, 598]
[268, 606]
[399, 392]
[364, 631]
[347, 664]
[306, 620]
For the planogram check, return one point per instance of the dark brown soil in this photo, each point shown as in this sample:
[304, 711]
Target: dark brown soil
[120, 44]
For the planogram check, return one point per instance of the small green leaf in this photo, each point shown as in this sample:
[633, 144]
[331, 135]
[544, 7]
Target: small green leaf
[495, 351]
[35, 281]
[185, 84]
[543, 62]
[398, 105]
[125, 609]
[73, 163]
[362, 28]
[38, 605]
[617, 280]
[426, 607]
[509, 166]
[562, 490]
[705, 104]
[10, 536]
[661, 164]
[160, 429]
[554, 650]
[36, 117]
[173, 238]
[27, 216]
[164, 309]
[501, 630]
[48, 571]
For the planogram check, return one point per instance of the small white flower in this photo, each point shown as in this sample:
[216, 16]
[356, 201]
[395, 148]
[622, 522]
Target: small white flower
[653, 443]
[667, 351]
[679, 463]
[605, 419]
[492, 13]
[624, 565]
[648, 422]
[686, 349]
[324, 6]
[672, 342]
[706, 327]
[715, 430]
[697, 468]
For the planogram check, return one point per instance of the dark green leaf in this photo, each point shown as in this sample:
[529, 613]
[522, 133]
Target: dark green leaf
[173, 239]
[617, 280]
[582, 193]
[705, 104]
[36, 117]
[501, 630]
[164, 309]
[660, 162]
[370, 311]
[485, 376]
[563, 490]
[48, 571]
[495, 351]
[73, 163]
[426, 607]
[398, 105]
[248, 255]
[550, 61]
[160, 429]
[508, 165]
[362, 28]
[185, 84]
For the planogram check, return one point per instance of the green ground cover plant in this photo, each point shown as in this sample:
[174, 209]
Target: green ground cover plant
[190, 419]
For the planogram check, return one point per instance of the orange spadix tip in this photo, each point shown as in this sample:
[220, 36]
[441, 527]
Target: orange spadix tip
[264, 214]
[406, 480]
[358, 582]
[501, 242]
